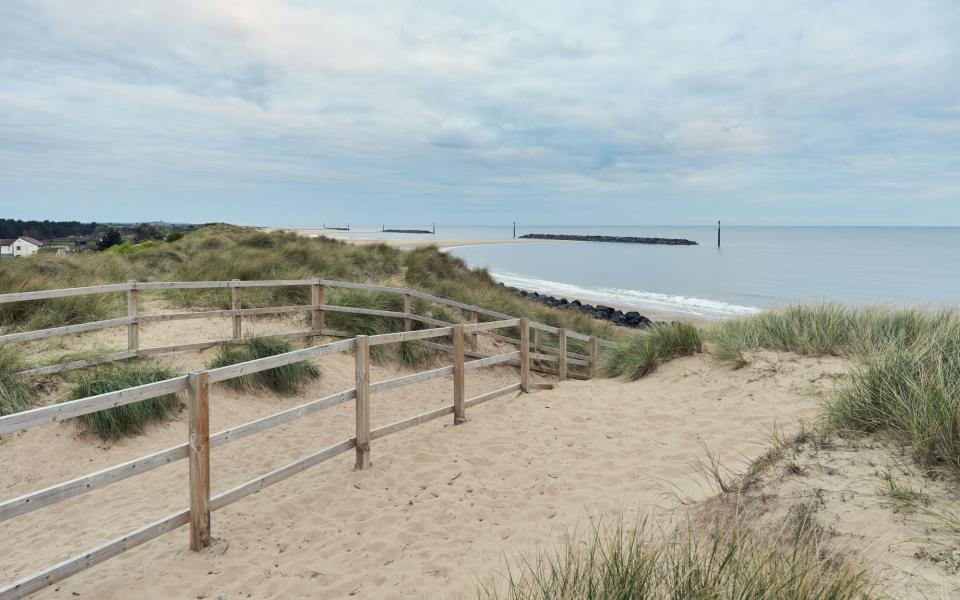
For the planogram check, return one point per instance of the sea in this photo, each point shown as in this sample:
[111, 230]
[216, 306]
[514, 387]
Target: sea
[754, 268]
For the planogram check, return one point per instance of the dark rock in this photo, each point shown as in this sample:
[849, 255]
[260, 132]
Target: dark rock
[610, 238]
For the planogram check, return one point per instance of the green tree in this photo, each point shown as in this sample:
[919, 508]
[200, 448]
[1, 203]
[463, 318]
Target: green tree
[108, 239]
[146, 231]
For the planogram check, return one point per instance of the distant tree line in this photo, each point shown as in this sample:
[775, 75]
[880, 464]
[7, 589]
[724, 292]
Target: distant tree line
[46, 230]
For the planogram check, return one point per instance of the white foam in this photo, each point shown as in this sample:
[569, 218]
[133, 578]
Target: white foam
[701, 307]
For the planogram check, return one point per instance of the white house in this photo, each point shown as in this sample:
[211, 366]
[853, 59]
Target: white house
[22, 246]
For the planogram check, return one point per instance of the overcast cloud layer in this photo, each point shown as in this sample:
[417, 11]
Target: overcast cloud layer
[299, 113]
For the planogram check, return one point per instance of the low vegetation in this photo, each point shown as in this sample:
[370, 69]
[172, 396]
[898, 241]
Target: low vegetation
[219, 252]
[826, 329]
[642, 354]
[15, 393]
[287, 379]
[912, 392]
[719, 562]
[129, 419]
[907, 379]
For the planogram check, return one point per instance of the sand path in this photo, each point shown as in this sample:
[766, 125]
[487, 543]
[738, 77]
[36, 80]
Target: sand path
[442, 505]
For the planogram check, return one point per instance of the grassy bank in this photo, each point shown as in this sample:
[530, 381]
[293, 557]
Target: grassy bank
[220, 252]
[906, 381]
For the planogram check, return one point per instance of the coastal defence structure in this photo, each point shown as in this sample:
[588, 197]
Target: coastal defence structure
[609, 238]
[529, 355]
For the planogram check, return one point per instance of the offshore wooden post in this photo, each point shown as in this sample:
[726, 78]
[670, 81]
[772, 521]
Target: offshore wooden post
[199, 454]
[524, 354]
[407, 308]
[718, 234]
[237, 319]
[133, 329]
[562, 355]
[363, 402]
[459, 415]
[318, 296]
[594, 355]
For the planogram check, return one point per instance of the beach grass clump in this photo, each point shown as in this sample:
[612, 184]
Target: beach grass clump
[642, 354]
[15, 394]
[129, 419]
[47, 271]
[910, 391]
[286, 379]
[825, 329]
[718, 562]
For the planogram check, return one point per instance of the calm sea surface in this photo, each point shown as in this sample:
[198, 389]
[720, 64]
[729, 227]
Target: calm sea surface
[756, 267]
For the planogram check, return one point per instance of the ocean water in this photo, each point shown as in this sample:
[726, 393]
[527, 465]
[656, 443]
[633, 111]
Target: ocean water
[755, 267]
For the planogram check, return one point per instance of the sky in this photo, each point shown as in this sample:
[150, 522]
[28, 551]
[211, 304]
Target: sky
[287, 113]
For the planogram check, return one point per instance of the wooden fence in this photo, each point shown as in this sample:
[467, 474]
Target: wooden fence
[197, 386]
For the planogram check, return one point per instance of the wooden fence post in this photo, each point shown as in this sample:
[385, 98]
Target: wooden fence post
[133, 329]
[199, 452]
[474, 341]
[363, 402]
[407, 308]
[594, 355]
[562, 354]
[459, 371]
[237, 319]
[536, 343]
[318, 295]
[525, 354]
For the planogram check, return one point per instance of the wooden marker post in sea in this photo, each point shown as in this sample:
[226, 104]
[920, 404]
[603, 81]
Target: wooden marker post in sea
[718, 234]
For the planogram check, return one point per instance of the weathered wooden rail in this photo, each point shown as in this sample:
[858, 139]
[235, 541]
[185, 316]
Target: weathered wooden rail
[197, 385]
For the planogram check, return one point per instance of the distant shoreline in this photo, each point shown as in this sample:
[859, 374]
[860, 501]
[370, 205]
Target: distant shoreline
[657, 314]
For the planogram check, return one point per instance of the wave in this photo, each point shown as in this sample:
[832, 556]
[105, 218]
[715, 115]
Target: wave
[700, 307]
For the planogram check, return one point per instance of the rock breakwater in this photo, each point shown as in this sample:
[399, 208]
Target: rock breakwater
[610, 238]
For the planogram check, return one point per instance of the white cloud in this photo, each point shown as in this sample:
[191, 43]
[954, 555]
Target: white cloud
[597, 101]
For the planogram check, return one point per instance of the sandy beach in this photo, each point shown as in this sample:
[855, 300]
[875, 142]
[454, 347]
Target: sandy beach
[441, 509]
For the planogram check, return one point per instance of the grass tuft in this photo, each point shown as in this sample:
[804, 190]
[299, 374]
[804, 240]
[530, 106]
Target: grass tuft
[912, 392]
[129, 419]
[288, 379]
[15, 394]
[643, 353]
[721, 562]
[825, 329]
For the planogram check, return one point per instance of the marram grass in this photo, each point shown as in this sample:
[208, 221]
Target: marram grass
[912, 392]
[723, 561]
[826, 329]
[129, 419]
[15, 393]
[287, 379]
[643, 353]
[907, 379]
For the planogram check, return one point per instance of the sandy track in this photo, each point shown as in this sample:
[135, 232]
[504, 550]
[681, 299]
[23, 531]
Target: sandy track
[441, 506]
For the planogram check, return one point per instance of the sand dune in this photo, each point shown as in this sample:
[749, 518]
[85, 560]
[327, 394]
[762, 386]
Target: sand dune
[441, 507]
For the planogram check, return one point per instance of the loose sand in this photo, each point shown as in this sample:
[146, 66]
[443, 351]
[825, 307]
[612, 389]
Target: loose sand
[440, 509]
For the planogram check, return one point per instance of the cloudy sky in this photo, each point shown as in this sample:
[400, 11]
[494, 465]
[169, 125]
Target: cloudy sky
[300, 113]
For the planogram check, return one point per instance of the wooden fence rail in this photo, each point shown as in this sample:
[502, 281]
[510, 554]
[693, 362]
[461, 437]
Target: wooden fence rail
[200, 441]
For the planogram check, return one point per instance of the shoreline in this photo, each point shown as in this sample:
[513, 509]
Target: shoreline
[654, 314]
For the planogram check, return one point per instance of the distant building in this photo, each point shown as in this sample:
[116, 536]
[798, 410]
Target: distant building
[22, 246]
